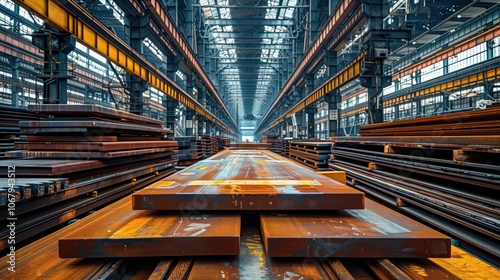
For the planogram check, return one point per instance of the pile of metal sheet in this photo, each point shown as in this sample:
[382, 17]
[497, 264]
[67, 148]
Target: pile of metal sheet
[9, 126]
[451, 182]
[188, 151]
[479, 122]
[249, 146]
[77, 150]
[222, 143]
[201, 215]
[276, 144]
[312, 154]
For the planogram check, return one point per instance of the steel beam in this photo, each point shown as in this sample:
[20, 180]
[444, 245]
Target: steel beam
[249, 22]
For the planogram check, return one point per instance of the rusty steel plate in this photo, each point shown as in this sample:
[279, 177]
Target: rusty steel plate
[104, 126]
[82, 154]
[63, 138]
[94, 146]
[91, 110]
[48, 167]
[128, 233]
[373, 232]
[247, 180]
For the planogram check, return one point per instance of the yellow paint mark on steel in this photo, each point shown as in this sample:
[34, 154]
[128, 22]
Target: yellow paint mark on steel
[54, 13]
[252, 182]
[203, 168]
[161, 184]
[466, 266]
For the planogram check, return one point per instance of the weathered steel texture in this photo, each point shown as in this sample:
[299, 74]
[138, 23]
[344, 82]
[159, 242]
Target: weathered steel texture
[89, 154]
[374, 232]
[93, 110]
[105, 127]
[94, 146]
[127, 233]
[247, 180]
[69, 138]
[253, 263]
[47, 167]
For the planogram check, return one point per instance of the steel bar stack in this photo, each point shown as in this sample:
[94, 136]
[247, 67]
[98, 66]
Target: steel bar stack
[76, 155]
[312, 154]
[446, 175]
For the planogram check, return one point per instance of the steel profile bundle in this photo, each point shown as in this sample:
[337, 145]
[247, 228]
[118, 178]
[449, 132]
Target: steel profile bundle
[88, 149]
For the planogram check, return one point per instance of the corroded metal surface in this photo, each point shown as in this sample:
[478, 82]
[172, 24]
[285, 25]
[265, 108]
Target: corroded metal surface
[93, 110]
[84, 154]
[247, 180]
[94, 146]
[375, 231]
[127, 233]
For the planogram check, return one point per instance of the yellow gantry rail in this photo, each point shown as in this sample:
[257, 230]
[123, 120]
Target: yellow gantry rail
[351, 71]
[56, 15]
[467, 81]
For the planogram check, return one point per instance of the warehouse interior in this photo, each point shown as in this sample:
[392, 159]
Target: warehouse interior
[250, 139]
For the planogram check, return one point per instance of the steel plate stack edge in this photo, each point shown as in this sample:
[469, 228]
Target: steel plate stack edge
[9, 126]
[443, 169]
[78, 155]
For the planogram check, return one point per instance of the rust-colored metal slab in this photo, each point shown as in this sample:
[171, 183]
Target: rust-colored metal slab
[88, 154]
[104, 126]
[128, 233]
[253, 263]
[48, 167]
[91, 110]
[94, 146]
[373, 232]
[247, 180]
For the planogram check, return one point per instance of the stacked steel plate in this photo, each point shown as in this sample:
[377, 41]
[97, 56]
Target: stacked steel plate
[9, 126]
[443, 169]
[188, 150]
[76, 150]
[312, 154]
[201, 214]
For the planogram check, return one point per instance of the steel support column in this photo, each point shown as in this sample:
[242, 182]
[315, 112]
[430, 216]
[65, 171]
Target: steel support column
[56, 47]
[190, 122]
[333, 100]
[170, 105]
[135, 29]
[15, 62]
